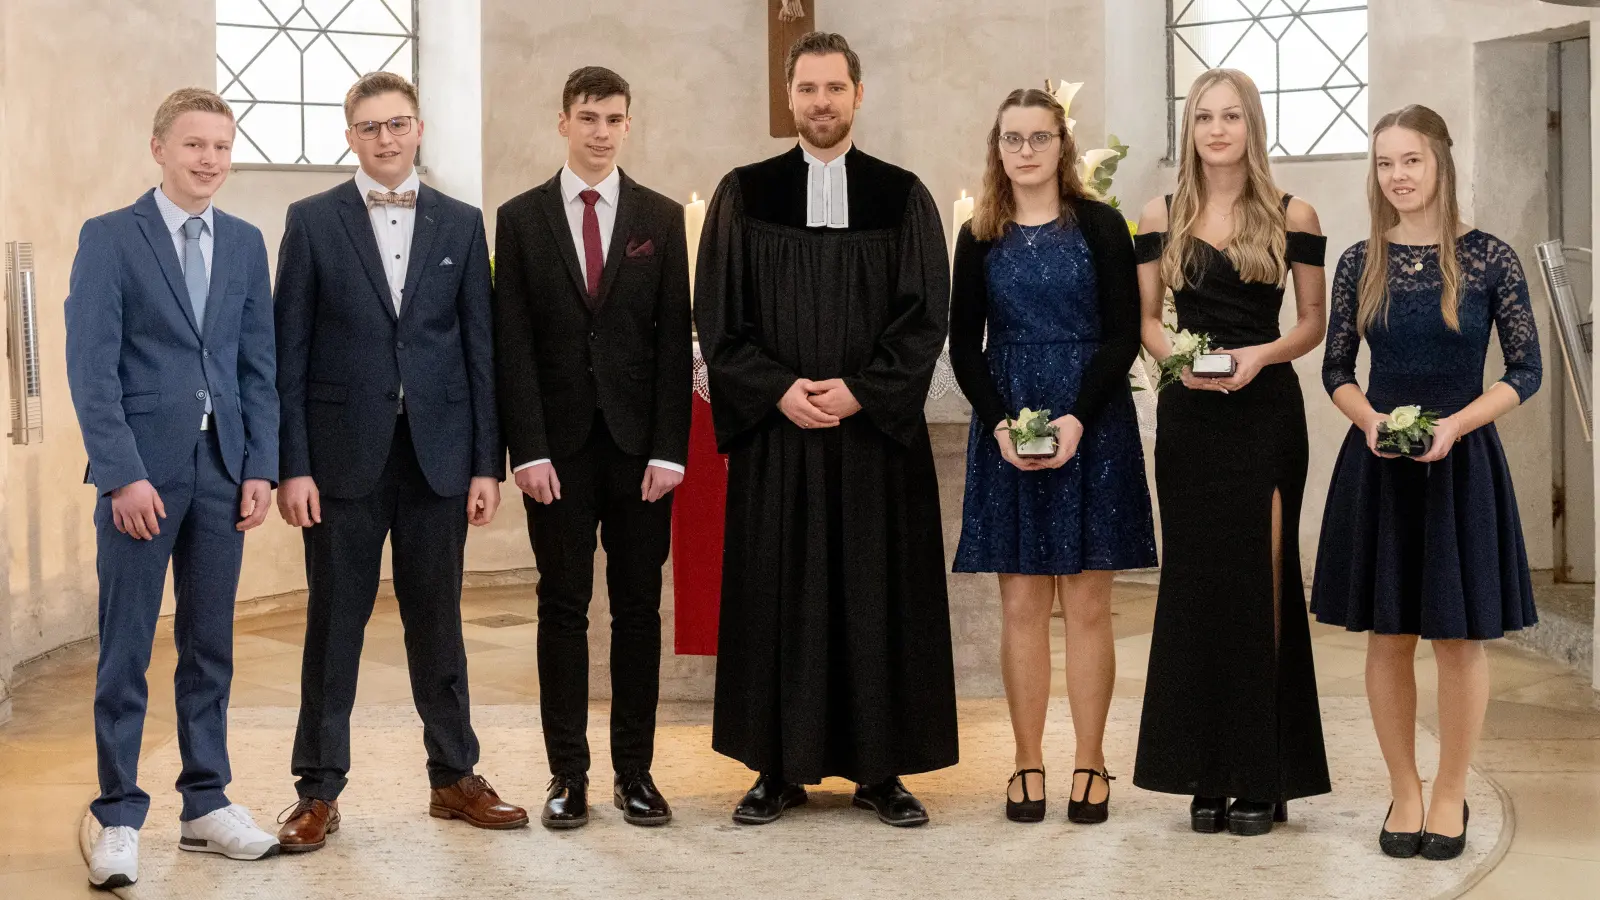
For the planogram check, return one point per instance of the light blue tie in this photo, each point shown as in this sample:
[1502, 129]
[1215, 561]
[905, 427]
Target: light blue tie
[194, 276]
[194, 269]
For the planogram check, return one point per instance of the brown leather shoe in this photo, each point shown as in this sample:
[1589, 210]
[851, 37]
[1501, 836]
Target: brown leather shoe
[308, 825]
[473, 801]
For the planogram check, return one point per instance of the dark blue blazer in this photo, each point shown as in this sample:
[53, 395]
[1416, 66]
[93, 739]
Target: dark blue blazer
[139, 367]
[343, 354]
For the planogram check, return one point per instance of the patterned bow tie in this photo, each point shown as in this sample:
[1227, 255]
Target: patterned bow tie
[377, 198]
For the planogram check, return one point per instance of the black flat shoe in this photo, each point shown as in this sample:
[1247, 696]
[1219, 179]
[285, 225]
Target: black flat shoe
[1398, 844]
[767, 799]
[1026, 809]
[567, 806]
[892, 802]
[1438, 847]
[1082, 811]
[641, 804]
[1208, 815]
[1250, 818]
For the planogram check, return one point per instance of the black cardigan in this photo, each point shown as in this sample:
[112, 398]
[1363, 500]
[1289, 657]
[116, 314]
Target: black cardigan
[1111, 247]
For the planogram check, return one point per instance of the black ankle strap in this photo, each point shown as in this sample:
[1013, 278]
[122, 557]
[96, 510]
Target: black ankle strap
[1104, 776]
[1019, 774]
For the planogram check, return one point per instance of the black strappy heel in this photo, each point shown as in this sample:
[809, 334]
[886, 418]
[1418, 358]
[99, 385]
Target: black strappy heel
[1026, 809]
[1082, 811]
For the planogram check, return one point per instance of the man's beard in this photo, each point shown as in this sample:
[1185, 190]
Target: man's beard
[823, 137]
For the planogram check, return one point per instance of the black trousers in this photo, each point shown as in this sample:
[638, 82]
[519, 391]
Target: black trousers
[600, 487]
[343, 558]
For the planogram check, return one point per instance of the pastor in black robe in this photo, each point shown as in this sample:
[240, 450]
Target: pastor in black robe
[834, 653]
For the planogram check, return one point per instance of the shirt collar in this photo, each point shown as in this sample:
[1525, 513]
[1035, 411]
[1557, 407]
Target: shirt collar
[173, 216]
[572, 185]
[837, 163]
[365, 182]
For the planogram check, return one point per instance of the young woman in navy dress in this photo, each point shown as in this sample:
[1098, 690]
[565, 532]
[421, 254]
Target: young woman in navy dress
[1230, 707]
[1049, 273]
[1429, 547]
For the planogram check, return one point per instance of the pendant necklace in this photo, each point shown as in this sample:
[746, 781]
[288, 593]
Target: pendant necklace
[1037, 230]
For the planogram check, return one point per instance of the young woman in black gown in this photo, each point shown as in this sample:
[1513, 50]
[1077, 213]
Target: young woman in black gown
[1230, 705]
[1432, 547]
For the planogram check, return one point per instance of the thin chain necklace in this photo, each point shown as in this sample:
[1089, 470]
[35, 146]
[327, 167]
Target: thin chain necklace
[1037, 230]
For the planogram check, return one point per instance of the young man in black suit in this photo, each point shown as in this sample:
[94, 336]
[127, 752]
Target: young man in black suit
[592, 347]
[389, 431]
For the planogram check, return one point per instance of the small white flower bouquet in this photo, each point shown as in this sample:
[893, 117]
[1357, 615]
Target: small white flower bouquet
[1033, 435]
[1193, 352]
[1408, 431]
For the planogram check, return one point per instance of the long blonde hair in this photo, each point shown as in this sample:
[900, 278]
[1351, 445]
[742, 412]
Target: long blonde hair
[1260, 235]
[997, 205]
[1374, 293]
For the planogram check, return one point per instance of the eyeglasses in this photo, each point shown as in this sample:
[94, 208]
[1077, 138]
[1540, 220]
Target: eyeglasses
[1011, 142]
[368, 131]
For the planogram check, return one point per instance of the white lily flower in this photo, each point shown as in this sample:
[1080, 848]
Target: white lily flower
[1091, 162]
[1064, 93]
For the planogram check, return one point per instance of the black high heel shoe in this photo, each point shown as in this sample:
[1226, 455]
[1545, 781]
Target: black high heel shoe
[1438, 847]
[1250, 818]
[1398, 844]
[1026, 809]
[1208, 815]
[1082, 811]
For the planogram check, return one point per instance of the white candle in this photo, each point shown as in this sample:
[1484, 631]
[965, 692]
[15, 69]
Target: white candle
[959, 215]
[694, 220]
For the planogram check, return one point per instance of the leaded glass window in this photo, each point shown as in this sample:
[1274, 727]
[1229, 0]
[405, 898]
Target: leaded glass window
[1308, 57]
[284, 67]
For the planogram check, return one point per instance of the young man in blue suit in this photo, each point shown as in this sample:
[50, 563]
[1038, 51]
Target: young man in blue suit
[170, 360]
[386, 370]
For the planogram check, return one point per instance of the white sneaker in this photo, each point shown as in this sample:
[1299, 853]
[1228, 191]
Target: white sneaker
[229, 831]
[115, 860]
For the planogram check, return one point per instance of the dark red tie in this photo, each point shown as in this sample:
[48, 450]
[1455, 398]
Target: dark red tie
[594, 259]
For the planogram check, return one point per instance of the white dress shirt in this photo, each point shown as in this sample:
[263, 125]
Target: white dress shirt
[605, 209]
[827, 192]
[392, 225]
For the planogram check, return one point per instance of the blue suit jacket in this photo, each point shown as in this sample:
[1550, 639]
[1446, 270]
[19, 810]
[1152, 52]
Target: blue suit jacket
[343, 353]
[139, 367]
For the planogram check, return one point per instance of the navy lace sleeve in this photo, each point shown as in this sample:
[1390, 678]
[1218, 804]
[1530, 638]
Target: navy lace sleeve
[1514, 322]
[1147, 246]
[1344, 341]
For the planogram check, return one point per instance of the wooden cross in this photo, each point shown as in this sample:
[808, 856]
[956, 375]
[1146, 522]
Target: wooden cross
[781, 35]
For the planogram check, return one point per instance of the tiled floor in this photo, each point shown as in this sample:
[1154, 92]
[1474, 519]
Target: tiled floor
[1541, 743]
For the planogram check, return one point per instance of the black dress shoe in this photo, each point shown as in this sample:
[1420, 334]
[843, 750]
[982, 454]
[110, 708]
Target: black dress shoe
[567, 806]
[1082, 812]
[1028, 809]
[767, 799]
[892, 802]
[1399, 844]
[1440, 848]
[641, 804]
[1208, 815]
[1249, 818]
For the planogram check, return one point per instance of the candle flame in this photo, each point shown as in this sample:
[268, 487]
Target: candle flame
[963, 193]
[694, 197]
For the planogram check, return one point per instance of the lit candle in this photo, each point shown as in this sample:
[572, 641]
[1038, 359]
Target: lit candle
[694, 220]
[959, 215]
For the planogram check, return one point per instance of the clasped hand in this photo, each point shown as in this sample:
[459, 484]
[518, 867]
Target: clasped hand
[818, 404]
[1069, 432]
[1247, 364]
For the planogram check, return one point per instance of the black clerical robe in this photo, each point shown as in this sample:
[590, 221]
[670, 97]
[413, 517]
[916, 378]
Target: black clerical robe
[834, 653]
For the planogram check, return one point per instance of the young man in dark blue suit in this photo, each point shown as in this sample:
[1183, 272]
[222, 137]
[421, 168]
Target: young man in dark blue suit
[386, 370]
[170, 360]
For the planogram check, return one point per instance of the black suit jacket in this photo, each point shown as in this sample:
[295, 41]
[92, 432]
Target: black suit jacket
[558, 361]
[343, 354]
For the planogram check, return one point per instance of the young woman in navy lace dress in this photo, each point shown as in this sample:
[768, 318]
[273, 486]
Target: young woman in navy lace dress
[1049, 272]
[1429, 547]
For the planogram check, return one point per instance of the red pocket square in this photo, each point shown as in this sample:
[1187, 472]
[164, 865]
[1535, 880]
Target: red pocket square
[636, 249]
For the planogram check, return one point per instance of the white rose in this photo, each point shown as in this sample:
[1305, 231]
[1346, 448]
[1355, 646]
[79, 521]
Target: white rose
[1185, 343]
[1403, 417]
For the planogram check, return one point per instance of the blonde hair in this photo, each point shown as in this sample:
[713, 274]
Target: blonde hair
[185, 100]
[1374, 291]
[1260, 238]
[374, 84]
[997, 206]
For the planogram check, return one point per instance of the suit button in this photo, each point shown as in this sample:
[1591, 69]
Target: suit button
[206, 353]
[593, 336]
[399, 345]
[392, 395]
[199, 395]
